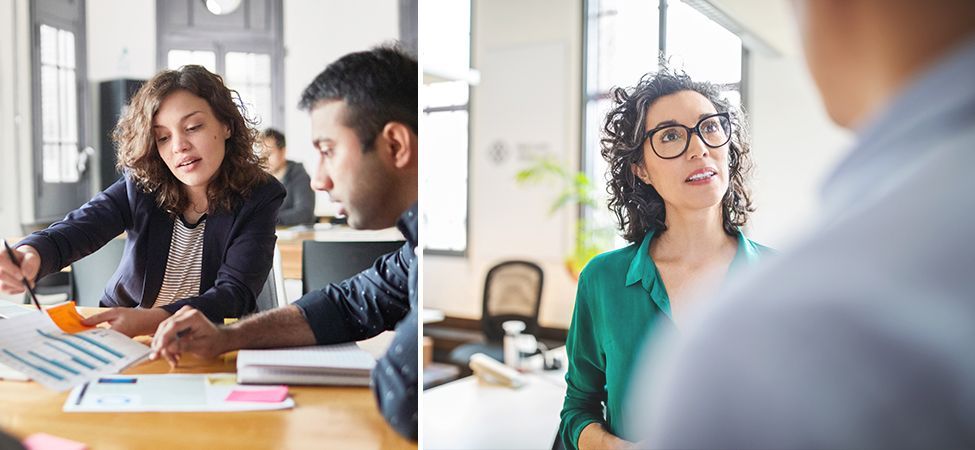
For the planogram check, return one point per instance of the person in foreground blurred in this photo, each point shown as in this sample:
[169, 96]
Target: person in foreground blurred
[299, 205]
[195, 204]
[363, 111]
[678, 158]
[861, 336]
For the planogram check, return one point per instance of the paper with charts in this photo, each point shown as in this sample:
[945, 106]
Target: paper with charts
[60, 356]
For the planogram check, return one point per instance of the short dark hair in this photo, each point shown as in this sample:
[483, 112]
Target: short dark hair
[638, 206]
[271, 133]
[378, 86]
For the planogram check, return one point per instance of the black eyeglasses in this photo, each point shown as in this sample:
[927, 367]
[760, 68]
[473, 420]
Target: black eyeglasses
[671, 141]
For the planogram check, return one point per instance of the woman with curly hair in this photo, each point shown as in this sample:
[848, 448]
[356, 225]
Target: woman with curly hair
[196, 205]
[678, 159]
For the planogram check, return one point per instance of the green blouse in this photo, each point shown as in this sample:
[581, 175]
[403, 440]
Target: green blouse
[611, 318]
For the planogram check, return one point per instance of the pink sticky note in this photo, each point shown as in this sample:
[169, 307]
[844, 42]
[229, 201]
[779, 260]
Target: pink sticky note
[42, 441]
[272, 395]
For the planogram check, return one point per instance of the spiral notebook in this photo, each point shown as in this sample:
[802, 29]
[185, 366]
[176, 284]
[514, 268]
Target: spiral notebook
[341, 364]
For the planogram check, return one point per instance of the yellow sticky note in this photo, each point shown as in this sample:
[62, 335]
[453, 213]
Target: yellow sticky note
[67, 318]
[222, 379]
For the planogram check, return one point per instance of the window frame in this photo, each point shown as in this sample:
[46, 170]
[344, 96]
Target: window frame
[453, 108]
[223, 41]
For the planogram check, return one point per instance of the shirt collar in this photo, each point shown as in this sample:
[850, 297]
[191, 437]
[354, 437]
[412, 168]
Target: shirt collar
[643, 269]
[407, 225]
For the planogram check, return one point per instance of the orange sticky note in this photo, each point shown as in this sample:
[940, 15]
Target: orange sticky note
[67, 318]
[42, 441]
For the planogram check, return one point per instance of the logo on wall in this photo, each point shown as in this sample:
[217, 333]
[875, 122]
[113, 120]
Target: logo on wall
[498, 152]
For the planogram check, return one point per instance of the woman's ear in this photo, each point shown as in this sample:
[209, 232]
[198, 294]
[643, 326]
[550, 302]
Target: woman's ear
[641, 173]
[226, 132]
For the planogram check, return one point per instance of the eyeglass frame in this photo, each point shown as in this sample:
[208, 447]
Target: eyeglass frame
[690, 131]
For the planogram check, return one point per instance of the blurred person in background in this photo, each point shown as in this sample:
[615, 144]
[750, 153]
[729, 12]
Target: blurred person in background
[299, 205]
[860, 336]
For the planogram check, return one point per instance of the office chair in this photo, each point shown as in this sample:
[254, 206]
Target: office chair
[90, 274]
[512, 291]
[330, 262]
[272, 294]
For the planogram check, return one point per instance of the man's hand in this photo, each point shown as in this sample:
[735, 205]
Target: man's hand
[11, 278]
[130, 321]
[189, 331]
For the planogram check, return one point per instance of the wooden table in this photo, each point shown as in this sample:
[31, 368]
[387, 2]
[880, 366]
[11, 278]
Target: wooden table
[289, 242]
[324, 417]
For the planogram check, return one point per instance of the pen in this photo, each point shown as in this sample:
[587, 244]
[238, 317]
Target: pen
[13, 259]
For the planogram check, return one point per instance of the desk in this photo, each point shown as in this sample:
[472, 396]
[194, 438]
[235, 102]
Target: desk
[289, 242]
[471, 414]
[324, 417]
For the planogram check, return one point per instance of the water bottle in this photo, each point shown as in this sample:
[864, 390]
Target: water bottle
[512, 329]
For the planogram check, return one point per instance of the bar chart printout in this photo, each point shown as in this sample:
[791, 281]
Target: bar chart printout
[34, 345]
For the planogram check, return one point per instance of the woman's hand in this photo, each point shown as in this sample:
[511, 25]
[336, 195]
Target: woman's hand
[130, 321]
[11, 278]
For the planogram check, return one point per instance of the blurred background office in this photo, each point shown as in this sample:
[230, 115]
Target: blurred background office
[68, 67]
[515, 94]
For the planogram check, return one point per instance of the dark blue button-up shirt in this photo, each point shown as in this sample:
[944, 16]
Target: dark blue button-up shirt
[382, 297]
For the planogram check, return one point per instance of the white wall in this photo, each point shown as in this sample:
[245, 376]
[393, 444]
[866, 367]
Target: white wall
[529, 56]
[9, 203]
[317, 32]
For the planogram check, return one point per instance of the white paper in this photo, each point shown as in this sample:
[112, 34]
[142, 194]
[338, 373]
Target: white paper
[341, 358]
[164, 393]
[34, 346]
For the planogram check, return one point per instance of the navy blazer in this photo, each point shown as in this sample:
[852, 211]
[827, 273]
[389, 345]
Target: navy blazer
[238, 248]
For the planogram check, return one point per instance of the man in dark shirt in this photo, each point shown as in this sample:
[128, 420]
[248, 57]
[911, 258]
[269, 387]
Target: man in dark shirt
[364, 126]
[299, 206]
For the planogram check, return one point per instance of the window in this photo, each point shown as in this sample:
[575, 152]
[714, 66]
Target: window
[59, 106]
[623, 43]
[446, 95]
[244, 45]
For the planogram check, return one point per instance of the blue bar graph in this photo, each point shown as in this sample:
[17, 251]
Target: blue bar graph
[97, 344]
[53, 362]
[75, 346]
[34, 366]
[74, 358]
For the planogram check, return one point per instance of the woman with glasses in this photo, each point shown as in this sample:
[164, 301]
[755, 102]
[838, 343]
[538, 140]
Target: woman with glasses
[678, 159]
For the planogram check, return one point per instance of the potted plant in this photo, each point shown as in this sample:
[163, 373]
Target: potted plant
[577, 189]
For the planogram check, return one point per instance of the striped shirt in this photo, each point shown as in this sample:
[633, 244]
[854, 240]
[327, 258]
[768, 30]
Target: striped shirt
[184, 263]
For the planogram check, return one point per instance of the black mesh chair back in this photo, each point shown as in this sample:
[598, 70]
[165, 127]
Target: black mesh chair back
[330, 262]
[90, 274]
[512, 291]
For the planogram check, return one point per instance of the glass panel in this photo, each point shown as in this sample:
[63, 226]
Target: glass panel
[179, 58]
[705, 50]
[250, 75]
[625, 39]
[52, 163]
[69, 163]
[66, 49]
[446, 46]
[49, 45]
[50, 115]
[450, 93]
[444, 185]
[70, 106]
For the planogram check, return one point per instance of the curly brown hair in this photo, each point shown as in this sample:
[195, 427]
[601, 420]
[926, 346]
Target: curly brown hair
[638, 207]
[242, 168]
